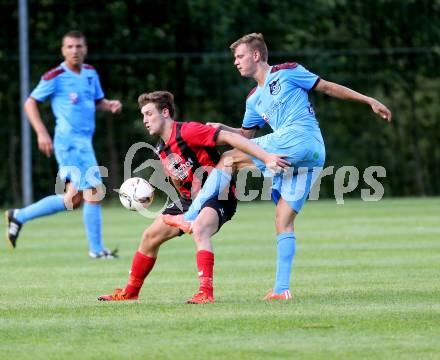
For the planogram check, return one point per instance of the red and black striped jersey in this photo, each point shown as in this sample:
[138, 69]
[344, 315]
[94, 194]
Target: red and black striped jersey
[189, 155]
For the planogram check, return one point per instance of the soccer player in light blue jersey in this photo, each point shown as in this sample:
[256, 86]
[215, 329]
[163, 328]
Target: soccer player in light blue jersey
[280, 100]
[75, 94]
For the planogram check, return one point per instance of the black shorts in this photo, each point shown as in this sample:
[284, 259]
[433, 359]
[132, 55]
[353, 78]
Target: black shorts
[225, 209]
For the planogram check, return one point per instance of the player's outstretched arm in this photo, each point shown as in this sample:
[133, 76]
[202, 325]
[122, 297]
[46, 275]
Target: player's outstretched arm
[273, 161]
[113, 106]
[345, 93]
[43, 138]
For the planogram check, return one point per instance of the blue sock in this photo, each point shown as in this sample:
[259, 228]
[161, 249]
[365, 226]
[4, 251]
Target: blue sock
[214, 185]
[285, 254]
[46, 206]
[93, 223]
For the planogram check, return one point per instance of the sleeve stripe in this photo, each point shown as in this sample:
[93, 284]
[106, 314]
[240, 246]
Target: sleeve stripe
[256, 127]
[284, 66]
[251, 92]
[53, 73]
[217, 133]
[316, 83]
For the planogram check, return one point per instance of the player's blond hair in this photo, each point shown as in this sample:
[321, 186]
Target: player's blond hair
[161, 99]
[255, 41]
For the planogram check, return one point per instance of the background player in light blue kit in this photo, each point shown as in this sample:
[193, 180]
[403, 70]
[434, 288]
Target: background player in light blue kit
[75, 93]
[280, 99]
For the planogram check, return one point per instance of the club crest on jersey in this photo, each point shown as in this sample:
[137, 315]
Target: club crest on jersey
[73, 97]
[275, 87]
[90, 79]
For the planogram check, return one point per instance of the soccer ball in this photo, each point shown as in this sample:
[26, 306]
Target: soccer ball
[136, 194]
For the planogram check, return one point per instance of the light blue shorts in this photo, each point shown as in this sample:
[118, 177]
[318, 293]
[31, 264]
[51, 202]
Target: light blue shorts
[306, 153]
[77, 161]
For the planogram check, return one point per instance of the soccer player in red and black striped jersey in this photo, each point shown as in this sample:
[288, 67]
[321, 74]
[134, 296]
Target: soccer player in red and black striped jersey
[186, 149]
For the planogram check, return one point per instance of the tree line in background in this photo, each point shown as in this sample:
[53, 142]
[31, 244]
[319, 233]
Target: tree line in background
[386, 49]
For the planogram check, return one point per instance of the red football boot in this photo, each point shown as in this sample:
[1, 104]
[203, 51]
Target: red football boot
[271, 295]
[201, 298]
[118, 295]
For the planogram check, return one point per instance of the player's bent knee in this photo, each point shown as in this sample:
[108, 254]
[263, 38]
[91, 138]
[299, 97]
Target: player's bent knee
[151, 239]
[283, 224]
[147, 237]
[198, 230]
[148, 245]
[203, 230]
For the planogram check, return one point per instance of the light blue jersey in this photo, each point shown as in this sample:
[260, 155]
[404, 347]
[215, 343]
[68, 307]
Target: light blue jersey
[283, 99]
[283, 103]
[72, 98]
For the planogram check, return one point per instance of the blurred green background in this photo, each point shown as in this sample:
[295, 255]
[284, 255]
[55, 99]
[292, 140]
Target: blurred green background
[386, 49]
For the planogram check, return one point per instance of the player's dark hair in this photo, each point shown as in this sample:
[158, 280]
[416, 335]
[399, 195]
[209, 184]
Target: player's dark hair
[161, 99]
[255, 42]
[74, 34]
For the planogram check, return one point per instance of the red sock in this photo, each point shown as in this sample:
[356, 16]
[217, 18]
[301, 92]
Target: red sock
[140, 268]
[205, 266]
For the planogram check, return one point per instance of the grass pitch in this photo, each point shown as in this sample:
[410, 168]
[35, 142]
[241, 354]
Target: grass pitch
[366, 285]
